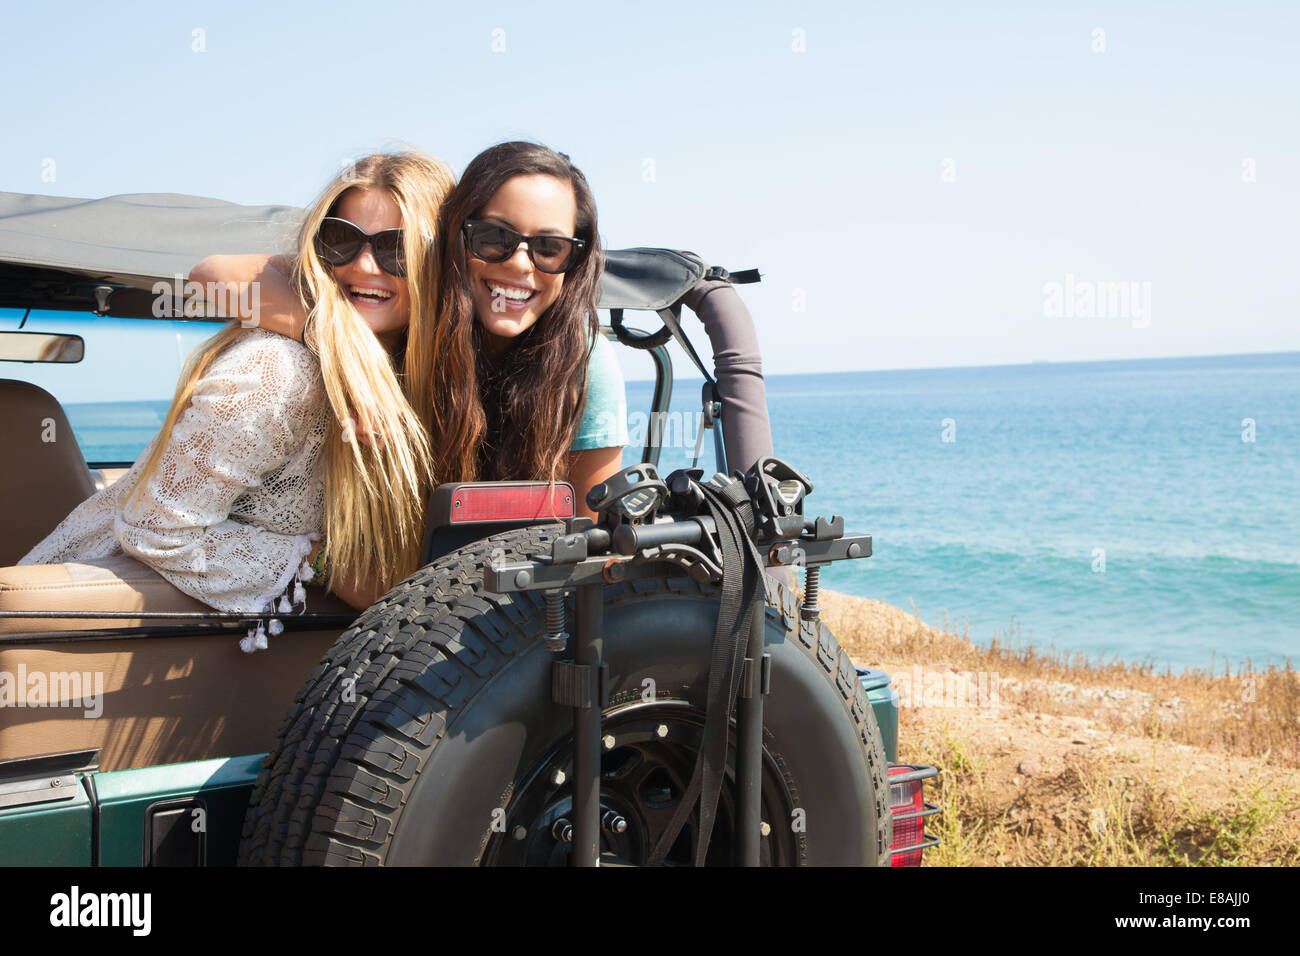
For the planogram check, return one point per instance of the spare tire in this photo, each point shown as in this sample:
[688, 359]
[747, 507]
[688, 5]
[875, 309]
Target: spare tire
[427, 735]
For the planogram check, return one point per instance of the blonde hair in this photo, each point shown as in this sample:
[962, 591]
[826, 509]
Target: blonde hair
[375, 490]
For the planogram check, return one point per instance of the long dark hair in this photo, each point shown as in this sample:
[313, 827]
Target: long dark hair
[514, 417]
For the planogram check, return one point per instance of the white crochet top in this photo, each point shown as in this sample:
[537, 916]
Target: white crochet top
[238, 496]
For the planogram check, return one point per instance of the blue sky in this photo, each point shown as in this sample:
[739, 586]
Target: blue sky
[909, 177]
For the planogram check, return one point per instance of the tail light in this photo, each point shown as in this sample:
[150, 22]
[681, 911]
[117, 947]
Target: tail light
[490, 501]
[907, 803]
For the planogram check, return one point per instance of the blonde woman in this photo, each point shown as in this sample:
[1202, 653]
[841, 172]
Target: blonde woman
[255, 484]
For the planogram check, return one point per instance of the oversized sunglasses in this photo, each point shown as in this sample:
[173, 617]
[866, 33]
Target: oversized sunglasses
[339, 242]
[493, 242]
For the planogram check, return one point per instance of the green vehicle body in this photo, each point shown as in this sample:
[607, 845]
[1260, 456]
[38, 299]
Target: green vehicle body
[184, 813]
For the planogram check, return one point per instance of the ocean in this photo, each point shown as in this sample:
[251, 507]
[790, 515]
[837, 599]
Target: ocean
[1145, 510]
[1142, 510]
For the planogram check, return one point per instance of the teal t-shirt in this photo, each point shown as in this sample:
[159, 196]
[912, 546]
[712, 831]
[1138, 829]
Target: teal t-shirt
[604, 420]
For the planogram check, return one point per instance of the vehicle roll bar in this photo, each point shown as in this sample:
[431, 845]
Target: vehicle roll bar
[738, 367]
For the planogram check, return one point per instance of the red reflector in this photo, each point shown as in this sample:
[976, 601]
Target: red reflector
[906, 798]
[521, 501]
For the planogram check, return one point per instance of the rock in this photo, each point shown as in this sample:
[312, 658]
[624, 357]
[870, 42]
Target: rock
[1028, 767]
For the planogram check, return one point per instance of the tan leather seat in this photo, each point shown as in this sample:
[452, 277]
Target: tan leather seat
[44, 475]
[118, 583]
[141, 700]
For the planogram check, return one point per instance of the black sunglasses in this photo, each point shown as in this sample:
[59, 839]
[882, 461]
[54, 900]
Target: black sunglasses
[493, 242]
[339, 242]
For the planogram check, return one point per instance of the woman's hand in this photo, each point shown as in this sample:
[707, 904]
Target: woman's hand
[361, 428]
[358, 595]
[276, 307]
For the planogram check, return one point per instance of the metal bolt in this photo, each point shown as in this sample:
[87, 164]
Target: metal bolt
[611, 822]
[56, 782]
[519, 832]
[855, 549]
[780, 554]
[662, 730]
[557, 778]
[523, 579]
[765, 828]
[556, 638]
[608, 741]
[562, 830]
[811, 587]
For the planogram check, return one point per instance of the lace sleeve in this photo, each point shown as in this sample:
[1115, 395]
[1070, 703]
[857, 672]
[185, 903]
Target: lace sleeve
[251, 417]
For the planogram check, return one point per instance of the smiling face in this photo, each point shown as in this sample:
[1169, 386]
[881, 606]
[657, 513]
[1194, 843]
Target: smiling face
[510, 296]
[382, 299]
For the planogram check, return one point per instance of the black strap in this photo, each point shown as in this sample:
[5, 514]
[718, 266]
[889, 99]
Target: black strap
[672, 321]
[637, 340]
[742, 572]
[672, 329]
[744, 277]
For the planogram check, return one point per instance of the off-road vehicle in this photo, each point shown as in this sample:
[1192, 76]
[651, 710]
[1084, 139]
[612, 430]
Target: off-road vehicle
[647, 688]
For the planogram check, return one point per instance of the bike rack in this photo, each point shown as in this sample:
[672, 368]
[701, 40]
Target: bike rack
[586, 558]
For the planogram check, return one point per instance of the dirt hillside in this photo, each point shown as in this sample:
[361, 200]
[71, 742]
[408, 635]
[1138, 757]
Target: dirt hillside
[1048, 760]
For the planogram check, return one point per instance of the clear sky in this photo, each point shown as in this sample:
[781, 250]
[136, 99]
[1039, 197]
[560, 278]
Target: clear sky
[910, 178]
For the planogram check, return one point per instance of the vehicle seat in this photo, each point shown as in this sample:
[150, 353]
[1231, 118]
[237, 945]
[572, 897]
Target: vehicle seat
[119, 583]
[164, 697]
[44, 476]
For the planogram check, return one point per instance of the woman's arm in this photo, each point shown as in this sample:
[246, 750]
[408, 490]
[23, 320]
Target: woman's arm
[597, 450]
[278, 308]
[358, 596]
[275, 306]
[245, 432]
[588, 468]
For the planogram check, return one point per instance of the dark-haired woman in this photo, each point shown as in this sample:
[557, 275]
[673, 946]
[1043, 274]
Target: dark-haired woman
[522, 384]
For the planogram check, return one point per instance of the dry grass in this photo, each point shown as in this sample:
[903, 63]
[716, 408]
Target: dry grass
[1082, 762]
[1253, 713]
[1095, 812]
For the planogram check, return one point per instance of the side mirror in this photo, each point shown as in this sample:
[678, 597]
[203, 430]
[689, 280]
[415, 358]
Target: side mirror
[41, 347]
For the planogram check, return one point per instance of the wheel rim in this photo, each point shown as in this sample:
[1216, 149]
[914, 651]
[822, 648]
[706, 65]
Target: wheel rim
[643, 778]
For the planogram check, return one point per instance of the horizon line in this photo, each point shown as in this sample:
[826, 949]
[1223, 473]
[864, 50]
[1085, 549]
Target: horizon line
[943, 368]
